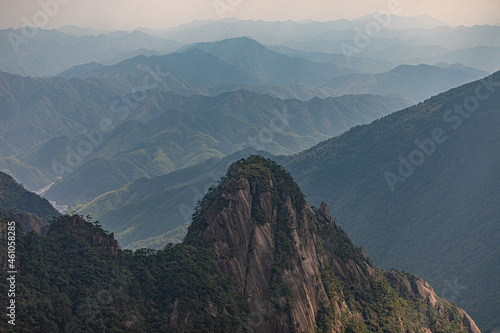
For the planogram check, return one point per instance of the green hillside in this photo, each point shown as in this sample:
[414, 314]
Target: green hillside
[34, 110]
[14, 197]
[439, 223]
[437, 217]
[89, 284]
[186, 131]
[137, 212]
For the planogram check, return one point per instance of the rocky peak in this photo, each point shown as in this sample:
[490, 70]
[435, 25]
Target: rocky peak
[324, 211]
[296, 269]
[28, 221]
[259, 227]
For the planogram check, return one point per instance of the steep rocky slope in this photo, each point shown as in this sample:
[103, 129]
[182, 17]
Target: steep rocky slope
[256, 259]
[298, 270]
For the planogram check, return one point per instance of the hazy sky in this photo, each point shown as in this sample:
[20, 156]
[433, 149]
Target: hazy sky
[157, 14]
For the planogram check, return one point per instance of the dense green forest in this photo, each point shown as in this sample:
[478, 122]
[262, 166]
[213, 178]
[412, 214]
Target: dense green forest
[77, 279]
[14, 197]
[419, 190]
[442, 236]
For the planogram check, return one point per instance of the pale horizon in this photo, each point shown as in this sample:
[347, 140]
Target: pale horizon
[157, 14]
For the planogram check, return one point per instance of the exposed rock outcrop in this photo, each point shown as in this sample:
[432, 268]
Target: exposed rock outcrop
[27, 222]
[468, 322]
[245, 249]
[281, 256]
[31, 222]
[256, 259]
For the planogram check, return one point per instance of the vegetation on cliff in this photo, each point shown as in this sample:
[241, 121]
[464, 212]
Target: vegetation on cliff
[76, 278]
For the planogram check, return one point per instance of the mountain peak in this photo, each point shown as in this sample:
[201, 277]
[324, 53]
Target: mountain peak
[256, 175]
[256, 224]
[256, 259]
[295, 268]
[226, 46]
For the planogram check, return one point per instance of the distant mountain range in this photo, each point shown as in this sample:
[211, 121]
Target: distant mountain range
[404, 40]
[414, 82]
[57, 112]
[269, 66]
[276, 32]
[47, 52]
[45, 120]
[212, 68]
[35, 110]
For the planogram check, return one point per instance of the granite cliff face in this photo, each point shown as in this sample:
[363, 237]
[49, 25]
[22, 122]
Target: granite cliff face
[256, 259]
[297, 270]
[246, 250]
[30, 222]
[27, 221]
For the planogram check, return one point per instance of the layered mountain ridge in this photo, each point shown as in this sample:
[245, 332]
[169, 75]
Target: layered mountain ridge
[447, 236]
